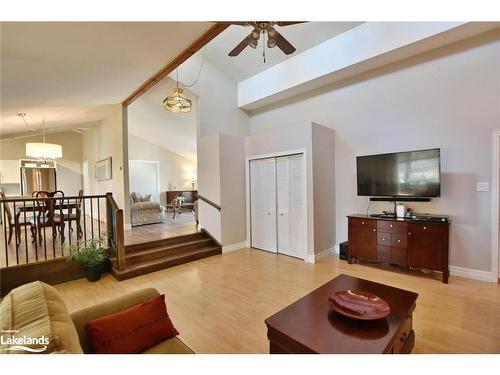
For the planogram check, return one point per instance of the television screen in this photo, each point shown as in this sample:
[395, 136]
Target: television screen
[400, 174]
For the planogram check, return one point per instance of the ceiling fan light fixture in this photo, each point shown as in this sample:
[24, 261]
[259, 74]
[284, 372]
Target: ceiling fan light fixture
[177, 102]
[271, 43]
[254, 43]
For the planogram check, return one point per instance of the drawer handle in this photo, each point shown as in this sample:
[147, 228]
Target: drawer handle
[409, 233]
[374, 230]
[403, 338]
[383, 239]
[399, 240]
[425, 227]
[363, 222]
[390, 225]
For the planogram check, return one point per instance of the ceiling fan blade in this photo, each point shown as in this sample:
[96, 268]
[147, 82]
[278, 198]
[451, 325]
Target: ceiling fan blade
[240, 47]
[284, 44]
[289, 23]
[240, 23]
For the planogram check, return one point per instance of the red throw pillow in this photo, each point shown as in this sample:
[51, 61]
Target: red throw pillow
[131, 331]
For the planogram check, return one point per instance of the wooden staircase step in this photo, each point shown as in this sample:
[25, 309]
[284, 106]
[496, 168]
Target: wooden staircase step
[165, 242]
[162, 251]
[142, 268]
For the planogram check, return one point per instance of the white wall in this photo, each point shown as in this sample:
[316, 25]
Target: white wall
[449, 98]
[101, 142]
[209, 184]
[218, 111]
[69, 167]
[174, 168]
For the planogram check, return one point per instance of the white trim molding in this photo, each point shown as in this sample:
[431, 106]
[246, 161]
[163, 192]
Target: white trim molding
[495, 207]
[470, 273]
[313, 258]
[233, 247]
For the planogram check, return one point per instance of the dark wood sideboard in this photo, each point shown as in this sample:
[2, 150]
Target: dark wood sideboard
[189, 197]
[407, 243]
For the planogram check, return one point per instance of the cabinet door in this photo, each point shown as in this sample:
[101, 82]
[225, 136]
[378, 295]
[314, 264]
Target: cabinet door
[426, 244]
[363, 241]
[263, 204]
[10, 172]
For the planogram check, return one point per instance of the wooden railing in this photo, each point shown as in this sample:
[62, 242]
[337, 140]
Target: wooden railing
[116, 240]
[38, 229]
[208, 201]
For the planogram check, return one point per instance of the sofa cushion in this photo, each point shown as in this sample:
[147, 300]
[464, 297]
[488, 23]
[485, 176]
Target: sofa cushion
[170, 346]
[36, 310]
[133, 330]
[139, 206]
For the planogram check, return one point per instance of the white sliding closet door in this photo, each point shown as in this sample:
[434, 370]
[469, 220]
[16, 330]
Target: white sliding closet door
[297, 206]
[263, 204]
[283, 205]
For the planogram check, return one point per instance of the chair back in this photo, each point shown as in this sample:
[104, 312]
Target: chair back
[6, 207]
[80, 198]
[46, 207]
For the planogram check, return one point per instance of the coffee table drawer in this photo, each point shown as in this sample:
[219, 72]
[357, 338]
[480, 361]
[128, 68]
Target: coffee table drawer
[405, 333]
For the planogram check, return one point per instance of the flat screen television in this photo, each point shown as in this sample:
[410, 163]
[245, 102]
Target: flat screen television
[400, 174]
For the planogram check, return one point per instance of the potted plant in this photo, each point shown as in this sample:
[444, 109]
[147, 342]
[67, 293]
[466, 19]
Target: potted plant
[93, 254]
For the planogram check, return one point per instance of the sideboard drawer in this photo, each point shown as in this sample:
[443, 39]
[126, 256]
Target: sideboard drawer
[391, 226]
[368, 223]
[384, 254]
[403, 336]
[384, 239]
[399, 240]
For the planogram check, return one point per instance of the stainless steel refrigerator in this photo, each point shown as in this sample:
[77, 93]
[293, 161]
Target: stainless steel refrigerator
[37, 179]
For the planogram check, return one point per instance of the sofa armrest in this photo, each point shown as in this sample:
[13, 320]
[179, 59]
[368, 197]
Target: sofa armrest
[81, 317]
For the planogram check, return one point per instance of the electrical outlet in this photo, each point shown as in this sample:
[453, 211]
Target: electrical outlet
[483, 186]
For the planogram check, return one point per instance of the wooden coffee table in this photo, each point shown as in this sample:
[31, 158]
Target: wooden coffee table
[311, 326]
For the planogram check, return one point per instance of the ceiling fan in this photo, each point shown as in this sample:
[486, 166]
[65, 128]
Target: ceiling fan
[264, 29]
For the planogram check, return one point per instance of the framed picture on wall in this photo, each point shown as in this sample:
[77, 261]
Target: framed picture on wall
[102, 169]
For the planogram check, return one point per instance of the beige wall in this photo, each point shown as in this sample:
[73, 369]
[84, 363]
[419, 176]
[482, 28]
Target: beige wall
[69, 167]
[449, 98]
[174, 168]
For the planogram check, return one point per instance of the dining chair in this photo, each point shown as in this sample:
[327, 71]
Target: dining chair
[15, 222]
[75, 216]
[47, 215]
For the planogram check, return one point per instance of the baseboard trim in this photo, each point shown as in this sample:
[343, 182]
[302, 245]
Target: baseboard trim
[471, 273]
[313, 258]
[233, 247]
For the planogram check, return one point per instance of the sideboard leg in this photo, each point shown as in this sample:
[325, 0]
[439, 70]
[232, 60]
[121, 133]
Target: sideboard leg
[446, 273]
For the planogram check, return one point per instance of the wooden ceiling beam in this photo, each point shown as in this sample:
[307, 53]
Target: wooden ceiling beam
[171, 66]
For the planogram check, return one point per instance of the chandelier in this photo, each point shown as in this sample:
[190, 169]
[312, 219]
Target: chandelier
[42, 151]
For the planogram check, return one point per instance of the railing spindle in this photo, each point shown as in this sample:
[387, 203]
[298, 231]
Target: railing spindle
[99, 216]
[17, 244]
[5, 234]
[36, 242]
[25, 231]
[91, 218]
[44, 232]
[84, 222]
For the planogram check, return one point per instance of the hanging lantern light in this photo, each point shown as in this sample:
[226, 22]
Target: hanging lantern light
[177, 102]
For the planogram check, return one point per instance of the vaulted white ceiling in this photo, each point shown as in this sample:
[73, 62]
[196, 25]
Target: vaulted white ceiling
[70, 72]
[249, 62]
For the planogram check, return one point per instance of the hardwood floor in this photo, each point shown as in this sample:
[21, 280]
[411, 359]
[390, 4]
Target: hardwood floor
[219, 304]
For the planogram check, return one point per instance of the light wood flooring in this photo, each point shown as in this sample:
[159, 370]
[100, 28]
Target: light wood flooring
[219, 304]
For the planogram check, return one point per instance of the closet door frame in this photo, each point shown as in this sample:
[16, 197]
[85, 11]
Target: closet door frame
[248, 197]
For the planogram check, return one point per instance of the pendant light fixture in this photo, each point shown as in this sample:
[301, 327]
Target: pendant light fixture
[177, 102]
[42, 151]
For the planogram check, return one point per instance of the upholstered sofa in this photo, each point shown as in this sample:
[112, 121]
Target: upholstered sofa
[37, 310]
[144, 211]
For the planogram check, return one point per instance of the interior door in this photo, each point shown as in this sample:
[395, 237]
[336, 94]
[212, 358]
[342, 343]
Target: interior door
[283, 205]
[298, 225]
[263, 204]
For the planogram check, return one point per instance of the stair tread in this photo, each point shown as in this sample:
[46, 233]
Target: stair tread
[159, 242]
[167, 259]
[142, 252]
